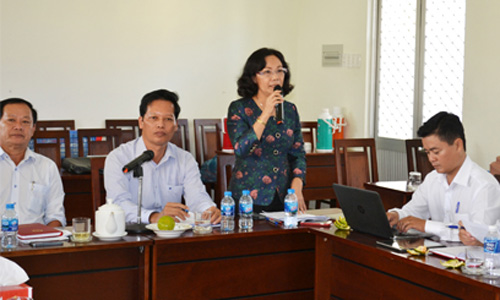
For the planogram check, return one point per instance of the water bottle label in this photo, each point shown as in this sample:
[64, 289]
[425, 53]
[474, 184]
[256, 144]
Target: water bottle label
[9, 225]
[291, 207]
[492, 246]
[227, 210]
[246, 208]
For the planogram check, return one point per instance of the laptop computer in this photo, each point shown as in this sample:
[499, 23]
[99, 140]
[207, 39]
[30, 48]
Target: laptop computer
[364, 212]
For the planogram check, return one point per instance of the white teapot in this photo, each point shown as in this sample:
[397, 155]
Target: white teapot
[110, 219]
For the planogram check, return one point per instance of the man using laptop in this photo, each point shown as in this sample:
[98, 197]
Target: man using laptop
[458, 189]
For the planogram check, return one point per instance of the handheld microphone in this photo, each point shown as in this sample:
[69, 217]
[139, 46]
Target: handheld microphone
[280, 112]
[144, 157]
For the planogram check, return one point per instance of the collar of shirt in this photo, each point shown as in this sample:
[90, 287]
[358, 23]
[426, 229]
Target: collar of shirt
[171, 152]
[463, 175]
[28, 154]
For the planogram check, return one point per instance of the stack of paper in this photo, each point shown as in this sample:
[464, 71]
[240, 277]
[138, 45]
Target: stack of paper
[280, 216]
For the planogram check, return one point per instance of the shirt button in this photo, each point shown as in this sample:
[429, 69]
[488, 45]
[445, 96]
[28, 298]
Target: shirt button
[277, 135]
[276, 152]
[15, 185]
[276, 169]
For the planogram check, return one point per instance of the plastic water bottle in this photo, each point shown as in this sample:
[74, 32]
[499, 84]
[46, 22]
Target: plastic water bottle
[246, 210]
[492, 253]
[291, 209]
[9, 227]
[227, 210]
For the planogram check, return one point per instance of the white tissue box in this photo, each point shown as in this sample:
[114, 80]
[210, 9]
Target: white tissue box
[13, 291]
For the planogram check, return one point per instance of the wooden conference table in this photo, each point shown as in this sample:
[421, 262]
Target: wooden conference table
[268, 263]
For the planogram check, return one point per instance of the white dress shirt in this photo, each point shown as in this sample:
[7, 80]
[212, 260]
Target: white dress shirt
[34, 185]
[175, 176]
[473, 195]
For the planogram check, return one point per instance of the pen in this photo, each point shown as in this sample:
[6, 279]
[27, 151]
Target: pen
[458, 207]
[274, 221]
[185, 210]
[455, 227]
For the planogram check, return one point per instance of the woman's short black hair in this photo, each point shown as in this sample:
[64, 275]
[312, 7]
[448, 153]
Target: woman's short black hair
[160, 95]
[255, 63]
[17, 101]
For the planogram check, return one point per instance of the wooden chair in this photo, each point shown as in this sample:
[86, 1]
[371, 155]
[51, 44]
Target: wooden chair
[225, 164]
[130, 128]
[49, 143]
[417, 158]
[55, 125]
[309, 131]
[181, 136]
[356, 161]
[205, 138]
[99, 141]
[97, 182]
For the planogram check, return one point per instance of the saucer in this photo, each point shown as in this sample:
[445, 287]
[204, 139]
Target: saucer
[109, 238]
[176, 232]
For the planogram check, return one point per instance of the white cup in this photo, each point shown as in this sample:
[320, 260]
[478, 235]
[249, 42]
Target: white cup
[308, 147]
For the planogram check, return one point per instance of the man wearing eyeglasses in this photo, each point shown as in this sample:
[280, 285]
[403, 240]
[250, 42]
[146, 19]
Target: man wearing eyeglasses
[28, 179]
[171, 175]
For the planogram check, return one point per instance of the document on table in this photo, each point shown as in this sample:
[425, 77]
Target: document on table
[280, 216]
[458, 252]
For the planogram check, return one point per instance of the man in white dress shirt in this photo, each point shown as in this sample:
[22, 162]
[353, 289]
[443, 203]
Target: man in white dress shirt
[28, 179]
[171, 175]
[457, 190]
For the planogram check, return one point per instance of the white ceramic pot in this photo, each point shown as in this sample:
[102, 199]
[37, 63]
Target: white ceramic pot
[110, 220]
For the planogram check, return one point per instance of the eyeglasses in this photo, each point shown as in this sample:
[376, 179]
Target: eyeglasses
[281, 72]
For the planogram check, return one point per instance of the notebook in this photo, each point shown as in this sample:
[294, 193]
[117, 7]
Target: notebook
[364, 212]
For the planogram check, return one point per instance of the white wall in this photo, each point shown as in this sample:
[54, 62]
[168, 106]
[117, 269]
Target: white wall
[481, 113]
[92, 60]
[332, 22]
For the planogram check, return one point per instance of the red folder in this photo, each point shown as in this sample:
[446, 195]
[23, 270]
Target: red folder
[14, 291]
[36, 231]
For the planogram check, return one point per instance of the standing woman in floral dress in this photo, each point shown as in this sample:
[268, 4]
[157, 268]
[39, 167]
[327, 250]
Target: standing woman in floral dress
[270, 157]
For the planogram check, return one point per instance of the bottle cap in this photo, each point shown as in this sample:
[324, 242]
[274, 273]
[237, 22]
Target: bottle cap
[228, 194]
[246, 192]
[291, 191]
[10, 205]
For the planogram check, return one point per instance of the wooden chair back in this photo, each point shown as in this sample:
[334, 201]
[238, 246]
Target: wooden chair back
[55, 125]
[181, 136]
[206, 140]
[50, 143]
[225, 164]
[99, 141]
[130, 128]
[417, 158]
[356, 161]
[309, 131]
[97, 182]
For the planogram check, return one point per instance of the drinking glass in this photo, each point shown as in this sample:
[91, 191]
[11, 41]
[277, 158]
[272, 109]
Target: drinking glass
[81, 230]
[202, 222]
[414, 180]
[473, 262]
